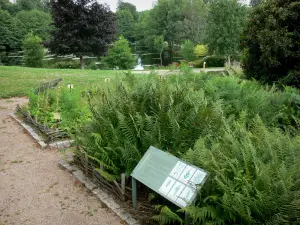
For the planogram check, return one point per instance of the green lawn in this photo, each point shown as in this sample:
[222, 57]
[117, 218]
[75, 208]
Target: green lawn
[17, 81]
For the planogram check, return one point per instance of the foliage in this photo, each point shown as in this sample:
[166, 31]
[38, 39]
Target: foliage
[33, 51]
[125, 24]
[70, 104]
[245, 135]
[187, 50]
[82, 28]
[253, 175]
[8, 31]
[214, 61]
[272, 43]
[226, 21]
[119, 55]
[172, 114]
[4, 4]
[166, 216]
[61, 64]
[193, 24]
[201, 51]
[128, 7]
[159, 46]
[34, 21]
[32, 5]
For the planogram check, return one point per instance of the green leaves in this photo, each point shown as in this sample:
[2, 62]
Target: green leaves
[119, 55]
[272, 43]
[33, 51]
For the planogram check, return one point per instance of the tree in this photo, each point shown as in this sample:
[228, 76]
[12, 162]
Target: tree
[159, 45]
[187, 50]
[83, 27]
[33, 51]
[8, 31]
[226, 22]
[31, 4]
[201, 51]
[4, 4]
[125, 24]
[119, 55]
[129, 7]
[35, 21]
[193, 25]
[272, 42]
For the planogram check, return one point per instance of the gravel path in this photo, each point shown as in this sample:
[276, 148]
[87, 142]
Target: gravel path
[33, 190]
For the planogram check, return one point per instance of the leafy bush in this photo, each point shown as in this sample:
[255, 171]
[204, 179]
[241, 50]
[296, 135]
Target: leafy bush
[201, 51]
[33, 51]
[214, 61]
[187, 51]
[211, 61]
[119, 55]
[62, 64]
[272, 42]
[93, 66]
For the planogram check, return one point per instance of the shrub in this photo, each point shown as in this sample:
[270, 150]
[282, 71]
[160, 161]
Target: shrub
[187, 50]
[93, 66]
[62, 64]
[33, 51]
[214, 61]
[119, 55]
[201, 51]
[272, 42]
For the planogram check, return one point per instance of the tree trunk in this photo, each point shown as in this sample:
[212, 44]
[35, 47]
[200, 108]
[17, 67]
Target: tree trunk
[229, 60]
[161, 61]
[81, 63]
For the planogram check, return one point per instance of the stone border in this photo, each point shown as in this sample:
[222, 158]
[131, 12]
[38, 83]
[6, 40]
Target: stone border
[107, 200]
[56, 145]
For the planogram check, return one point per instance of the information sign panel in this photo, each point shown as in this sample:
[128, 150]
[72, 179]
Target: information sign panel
[169, 176]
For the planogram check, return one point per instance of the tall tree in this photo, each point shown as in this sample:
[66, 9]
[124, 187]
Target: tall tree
[225, 25]
[129, 7]
[83, 27]
[8, 31]
[193, 25]
[4, 4]
[272, 41]
[32, 4]
[125, 24]
[34, 21]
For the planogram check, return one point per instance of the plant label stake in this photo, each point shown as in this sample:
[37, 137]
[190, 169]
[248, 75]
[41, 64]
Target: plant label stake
[70, 86]
[169, 176]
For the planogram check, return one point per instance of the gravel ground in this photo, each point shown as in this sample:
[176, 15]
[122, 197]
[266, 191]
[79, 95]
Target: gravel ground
[33, 189]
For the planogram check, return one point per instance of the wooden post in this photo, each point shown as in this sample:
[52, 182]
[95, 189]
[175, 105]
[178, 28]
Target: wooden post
[123, 179]
[134, 193]
[86, 164]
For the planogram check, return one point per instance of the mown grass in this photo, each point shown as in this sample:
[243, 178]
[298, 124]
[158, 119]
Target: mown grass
[18, 81]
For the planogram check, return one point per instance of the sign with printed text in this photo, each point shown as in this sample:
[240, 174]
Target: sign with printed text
[169, 176]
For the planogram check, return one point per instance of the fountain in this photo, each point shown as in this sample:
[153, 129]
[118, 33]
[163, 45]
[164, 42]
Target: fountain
[139, 65]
